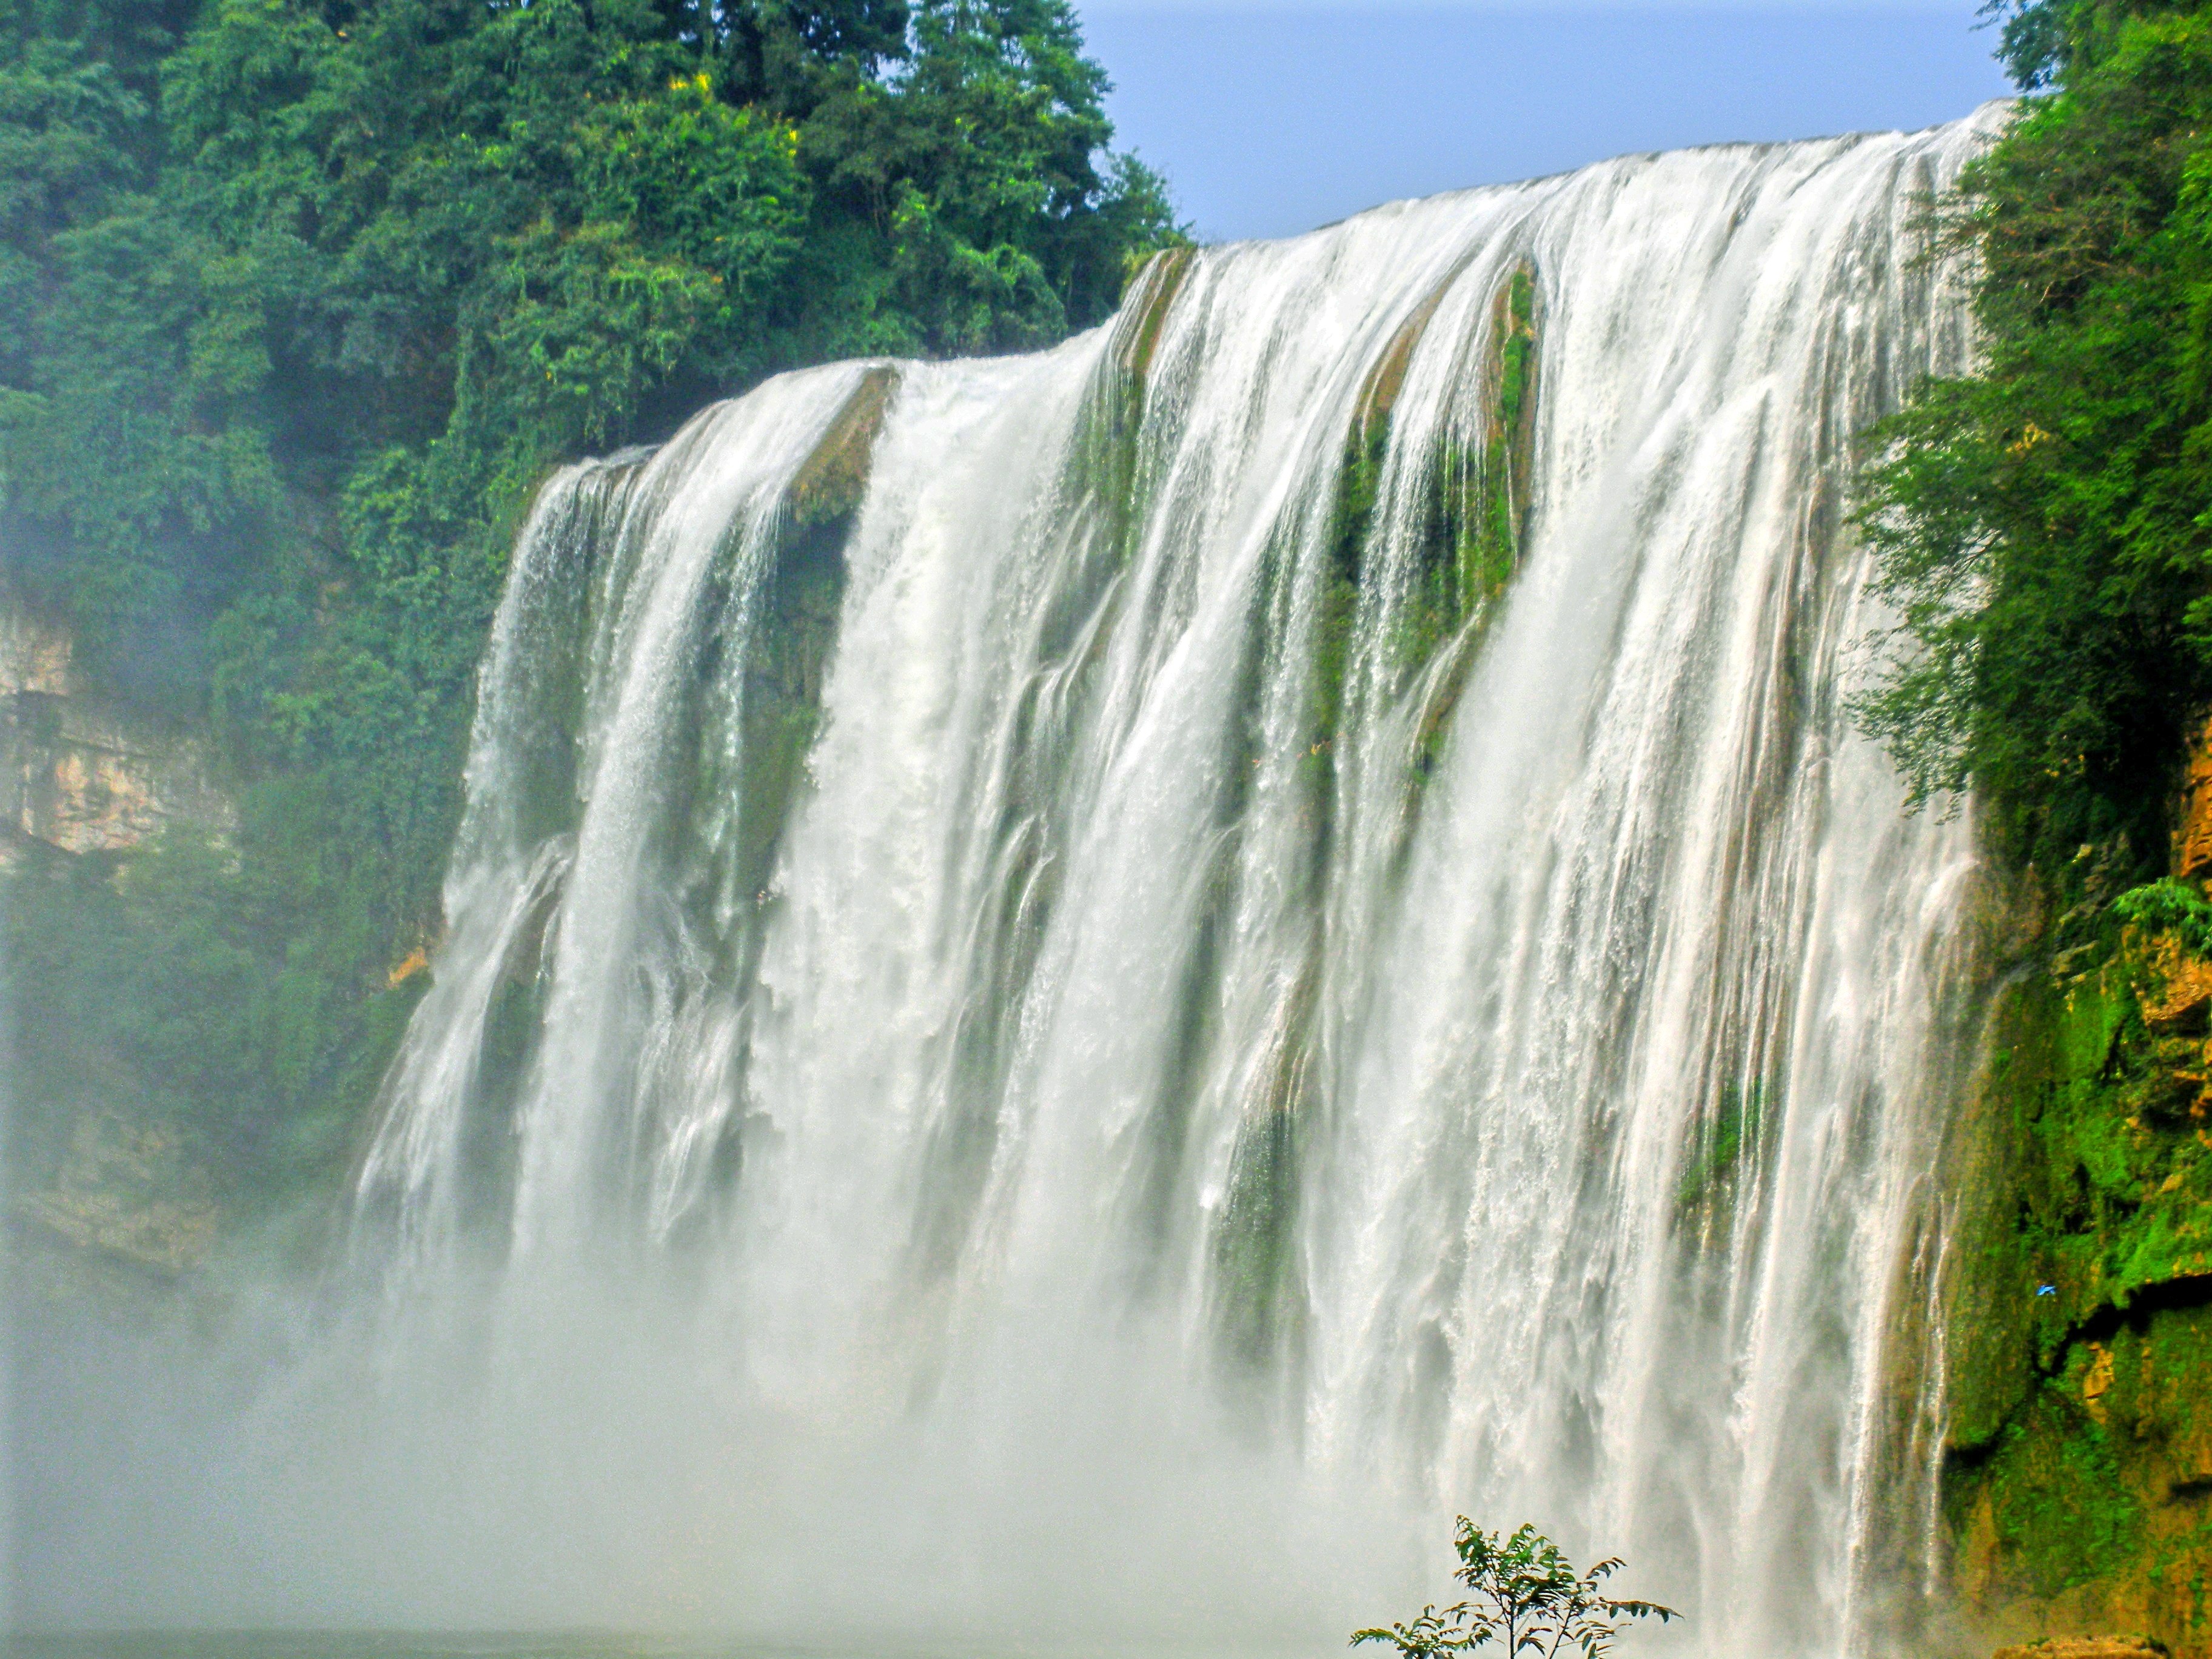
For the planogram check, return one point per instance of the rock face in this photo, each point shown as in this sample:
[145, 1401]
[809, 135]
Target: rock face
[128, 1190]
[79, 775]
[2086, 1647]
[2078, 1486]
[76, 775]
[2192, 839]
[2178, 1001]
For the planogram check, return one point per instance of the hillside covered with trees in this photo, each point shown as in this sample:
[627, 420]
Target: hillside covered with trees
[304, 297]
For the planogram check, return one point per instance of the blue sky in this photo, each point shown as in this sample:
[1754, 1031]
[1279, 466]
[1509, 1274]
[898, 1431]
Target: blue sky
[1269, 120]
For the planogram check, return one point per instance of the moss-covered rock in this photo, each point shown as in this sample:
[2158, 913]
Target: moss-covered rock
[2089, 1511]
[1473, 513]
[829, 483]
[2079, 1435]
[788, 655]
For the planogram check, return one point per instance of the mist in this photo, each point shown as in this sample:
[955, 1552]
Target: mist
[601, 1463]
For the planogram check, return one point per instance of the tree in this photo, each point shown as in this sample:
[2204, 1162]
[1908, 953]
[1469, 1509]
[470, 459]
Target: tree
[2040, 524]
[300, 300]
[1524, 1593]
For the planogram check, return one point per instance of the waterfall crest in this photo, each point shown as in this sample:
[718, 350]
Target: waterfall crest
[1303, 851]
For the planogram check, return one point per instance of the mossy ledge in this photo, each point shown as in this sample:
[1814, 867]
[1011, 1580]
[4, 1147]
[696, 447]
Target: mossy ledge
[800, 602]
[1474, 516]
[1106, 452]
[1145, 311]
[2076, 1488]
[1473, 509]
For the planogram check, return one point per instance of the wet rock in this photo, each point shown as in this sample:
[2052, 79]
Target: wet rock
[2192, 840]
[76, 775]
[831, 483]
[130, 1190]
[1144, 310]
[2182, 1005]
[2086, 1647]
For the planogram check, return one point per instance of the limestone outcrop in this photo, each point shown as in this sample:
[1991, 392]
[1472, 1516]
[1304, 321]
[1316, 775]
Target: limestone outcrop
[2086, 1647]
[78, 774]
[128, 1190]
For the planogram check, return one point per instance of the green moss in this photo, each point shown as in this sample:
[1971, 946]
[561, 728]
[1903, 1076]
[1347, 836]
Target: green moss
[1259, 1298]
[1256, 1291]
[1106, 481]
[1145, 313]
[2080, 1353]
[789, 657]
[2062, 1515]
[1473, 512]
[1709, 1180]
[2092, 1502]
[829, 485]
[788, 653]
[1467, 546]
[1490, 544]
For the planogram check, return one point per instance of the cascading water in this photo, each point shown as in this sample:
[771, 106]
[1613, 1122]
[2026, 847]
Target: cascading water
[1297, 867]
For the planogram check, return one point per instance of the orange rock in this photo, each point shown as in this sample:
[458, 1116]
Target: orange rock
[77, 774]
[2086, 1647]
[2193, 841]
[2184, 1003]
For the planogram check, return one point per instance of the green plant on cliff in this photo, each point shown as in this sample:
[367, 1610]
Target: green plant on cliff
[2043, 527]
[304, 297]
[1524, 1594]
[2169, 905]
[2042, 523]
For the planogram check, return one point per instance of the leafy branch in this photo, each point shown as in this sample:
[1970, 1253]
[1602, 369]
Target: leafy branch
[1525, 1593]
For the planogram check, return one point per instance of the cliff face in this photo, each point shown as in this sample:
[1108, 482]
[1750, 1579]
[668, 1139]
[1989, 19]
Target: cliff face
[2077, 1489]
[77, 774]
[81, 776]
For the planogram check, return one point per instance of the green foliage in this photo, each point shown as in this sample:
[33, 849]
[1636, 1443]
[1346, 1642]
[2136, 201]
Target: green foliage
[2169, 906]
[186, 981]
[1523, 1594]
[2093, 1490]
[2042, 525]
[1711, 1174]
[307, 297]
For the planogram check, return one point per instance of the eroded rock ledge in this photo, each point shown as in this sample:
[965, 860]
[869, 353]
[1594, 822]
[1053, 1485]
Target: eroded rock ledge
[77, 774]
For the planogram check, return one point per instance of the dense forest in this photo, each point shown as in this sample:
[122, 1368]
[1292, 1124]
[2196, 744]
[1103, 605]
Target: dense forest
[305, 297]
[2045, 523]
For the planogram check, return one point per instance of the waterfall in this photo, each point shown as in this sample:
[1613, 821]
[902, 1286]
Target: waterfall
[1300, 860]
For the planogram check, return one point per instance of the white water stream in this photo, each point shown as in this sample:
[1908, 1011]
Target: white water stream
[1108, 1070]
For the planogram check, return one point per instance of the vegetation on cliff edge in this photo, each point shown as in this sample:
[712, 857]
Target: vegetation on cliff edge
[2046, 526]
[2046, 523]
[305, 296]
